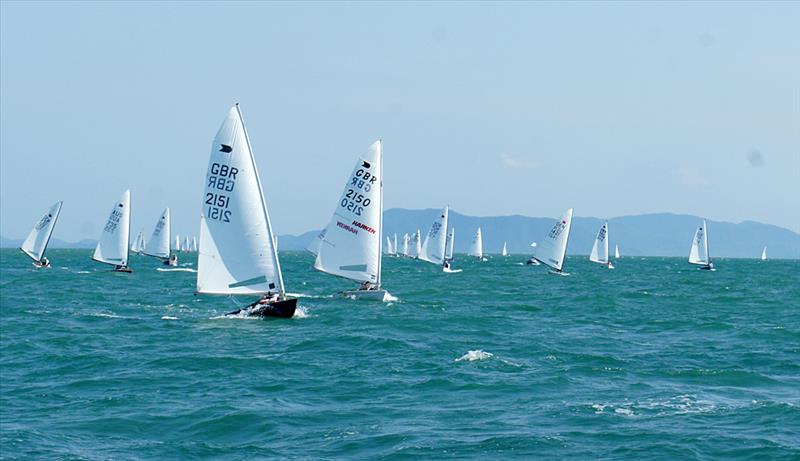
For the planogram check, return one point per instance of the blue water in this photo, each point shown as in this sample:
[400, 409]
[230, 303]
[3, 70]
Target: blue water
[653, 360]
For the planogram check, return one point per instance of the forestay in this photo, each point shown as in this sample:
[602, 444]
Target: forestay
[553, 248]
[476, 249]
[113, 245]
[350, 245]
[600, 248]
[433, 249]
[236, 251]
[699, 252]
[36, 243]
[158, 245]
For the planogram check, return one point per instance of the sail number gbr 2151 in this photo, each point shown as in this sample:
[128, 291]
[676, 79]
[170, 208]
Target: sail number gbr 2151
[353, 199]
[222, 178]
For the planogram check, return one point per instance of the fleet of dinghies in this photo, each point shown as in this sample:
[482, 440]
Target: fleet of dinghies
[238, 250]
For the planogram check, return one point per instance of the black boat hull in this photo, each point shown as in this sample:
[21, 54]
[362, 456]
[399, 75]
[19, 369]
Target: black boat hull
[283, 309]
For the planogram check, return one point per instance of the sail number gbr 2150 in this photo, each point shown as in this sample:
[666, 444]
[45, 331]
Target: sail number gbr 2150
[353, 200]
[222, 178]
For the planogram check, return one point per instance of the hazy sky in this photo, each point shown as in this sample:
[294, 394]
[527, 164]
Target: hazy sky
[518, 108]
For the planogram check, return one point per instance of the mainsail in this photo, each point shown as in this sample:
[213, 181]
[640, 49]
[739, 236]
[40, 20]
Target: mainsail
[113, 245]
[553, 248]
[616, 251]
[476, 249]
[764, 254]
[451, 238]
[158, 245]
[699, 252]
[504, 251]
[138, 243]
[350, 246]
[416, 246]
[36, 243]
[236, 251]
[405, 245]
[433, 250]
[600, 247]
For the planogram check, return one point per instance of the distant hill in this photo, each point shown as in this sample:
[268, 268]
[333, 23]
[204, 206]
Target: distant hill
[662, 234]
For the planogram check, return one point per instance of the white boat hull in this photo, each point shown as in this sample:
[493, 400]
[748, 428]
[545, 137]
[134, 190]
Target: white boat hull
[369, 295]
[451, 271]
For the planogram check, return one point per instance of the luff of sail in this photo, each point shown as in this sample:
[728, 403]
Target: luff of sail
[600, 248]
[350, 245]
[236, 251]
[158, 245]
[113, 245]
[435, 245]
[36, 243]
[553, 248]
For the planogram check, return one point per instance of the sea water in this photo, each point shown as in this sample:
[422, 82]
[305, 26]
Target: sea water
[652, 360]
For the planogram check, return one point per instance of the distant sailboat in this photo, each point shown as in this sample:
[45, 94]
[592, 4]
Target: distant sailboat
[38, 239]
[764, 254]
[177, 245]
[504, 251]
[394, 246]
[185, 247]
[435, 247]
[600, 247]
[476, 249]
[138, 243]
[616, 252]
[416, 245]
[237, 255]
[405, 245]
[158, 245]
[532, 260]
[113, 245]
[350, 246]
[194, 244]
[553, 249]
[699, 254]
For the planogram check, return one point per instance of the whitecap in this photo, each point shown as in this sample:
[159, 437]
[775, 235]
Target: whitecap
[389, 298]
[472, 356]
[301, 313]
[176, 269]
[83, 272]
[168, 317]
[623, 411]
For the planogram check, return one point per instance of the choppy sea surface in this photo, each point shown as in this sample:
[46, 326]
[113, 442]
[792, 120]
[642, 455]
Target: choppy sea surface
[653, 360]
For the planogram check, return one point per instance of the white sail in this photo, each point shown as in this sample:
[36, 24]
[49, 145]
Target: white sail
[415, 245]
[194, 244]
[185, 246]
[158, 245]
[177, 243]
[451, 238]
[36, 243]
[405, 244]
[764, 254]
[699, 252]
[553, 248]
[350, 246]
[137, 244]
[113, 245]
[394, 245]
[388, 249]
[476, 249]
[236, 252]
[616, 251]
[435, 245]
[600, 247]
[504, 251]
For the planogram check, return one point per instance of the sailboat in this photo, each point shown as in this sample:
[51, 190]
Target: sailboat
[553, 249]
[138, 243]
[36, 243]
[405, 245]
[476, 249]
[434, 248]
[394, 245]
[532, 260]
[185, 247]
[389, 249]
[415, 246]
[350, 246]
[504, 251]
[194, 244]
[158, 245]
[764, 254]
[237, 255]
[177, 245]
[113, 245]
[600, 248]
[616, 252]
[699, 253]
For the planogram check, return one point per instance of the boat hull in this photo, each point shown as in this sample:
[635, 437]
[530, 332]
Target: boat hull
[124, 270]
[370, 295]
[283, 309]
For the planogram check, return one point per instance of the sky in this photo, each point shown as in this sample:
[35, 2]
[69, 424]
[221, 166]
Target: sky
[493, 108]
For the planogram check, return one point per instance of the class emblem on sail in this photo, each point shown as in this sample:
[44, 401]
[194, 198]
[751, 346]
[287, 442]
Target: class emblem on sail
[237, 255]
[350, 245]
[36, 243]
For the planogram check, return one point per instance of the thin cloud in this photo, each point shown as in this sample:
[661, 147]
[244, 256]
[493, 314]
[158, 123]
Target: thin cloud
[512, 162]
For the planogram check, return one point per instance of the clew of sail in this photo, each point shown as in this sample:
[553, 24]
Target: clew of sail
[553, 248]
[236, 252]
[36, 243]
[113, 245]
[350, 245]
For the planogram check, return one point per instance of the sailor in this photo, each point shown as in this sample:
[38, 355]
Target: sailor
[366, 286]
[446, 264]
[173, 260]
[44, 262]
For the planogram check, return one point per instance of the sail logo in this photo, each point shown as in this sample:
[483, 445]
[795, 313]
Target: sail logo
[364, 226]
[346, 227]
[224, 148]
[602, 235]
[44, 221]
[557, 229]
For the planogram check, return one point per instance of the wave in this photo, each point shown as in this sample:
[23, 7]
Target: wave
[301, 313]
[176, 269]
[168, 317]
[472, 356]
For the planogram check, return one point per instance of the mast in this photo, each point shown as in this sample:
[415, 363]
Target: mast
[705, 239]
[263, 206]
[380, 219]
